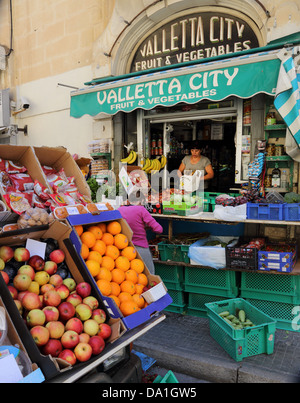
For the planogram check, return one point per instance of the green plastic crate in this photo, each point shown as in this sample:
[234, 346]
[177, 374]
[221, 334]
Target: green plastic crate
[196, 303]
[172, 275]
[211, 281]
[271, 287]
[179, 301]
[243, 343]
[168, 378]
[174, 252]
[286, 315]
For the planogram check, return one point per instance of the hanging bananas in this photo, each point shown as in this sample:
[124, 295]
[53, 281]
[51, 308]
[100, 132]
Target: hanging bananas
[130, 159]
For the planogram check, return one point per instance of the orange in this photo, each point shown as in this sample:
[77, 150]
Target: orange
[122, 263]
[108, 238]
[94, 229]
[104, 287]
[137, 265]
[112, 251]
[124, 296]
[93, 267]
[78, 229]
[116, 299]
[139, 300]
[139, 288]
[84, 251]
[108, 262]
[128, 286]
[102, 226]
[142, 279]
[104, 274]
[121, 241]
[131, 275]
[118, 276]
[115, 288]
[114, 227]
[94, 255]
[99, 246]
[128, 308]
[88, 238]
[129, 252]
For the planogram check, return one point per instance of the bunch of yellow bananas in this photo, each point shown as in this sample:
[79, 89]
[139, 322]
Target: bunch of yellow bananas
[130, 159]
[154, 164]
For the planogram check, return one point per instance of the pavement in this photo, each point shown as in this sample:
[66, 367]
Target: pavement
[182, 343]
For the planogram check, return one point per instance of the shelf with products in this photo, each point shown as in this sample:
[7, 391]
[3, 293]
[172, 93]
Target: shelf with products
[101, 162]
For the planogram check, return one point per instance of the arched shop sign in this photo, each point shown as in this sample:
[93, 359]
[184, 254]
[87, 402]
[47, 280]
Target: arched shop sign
[193, 37]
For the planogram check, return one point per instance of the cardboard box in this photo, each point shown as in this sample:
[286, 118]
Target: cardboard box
[58, 158]
[144, 314]
[50, 366]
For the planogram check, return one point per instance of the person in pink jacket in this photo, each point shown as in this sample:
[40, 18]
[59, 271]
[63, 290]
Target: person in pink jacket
[139, 219]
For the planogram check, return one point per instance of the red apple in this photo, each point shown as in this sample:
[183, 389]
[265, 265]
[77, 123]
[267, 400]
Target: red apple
[53, 347]
[5, 276]
[83, 352]
[70, 283]
[99, 315]
[46, 287]
[97, 343]
[13, 291]
[56, 280]
[51, 313]
[21, 282]
[91, 301]
[68, 356]
[35, 317]
[69, 339]
[6, 253]
[56, 329]
[75, 299]
[50, 267]
[51, 298]
[40, 335]
[26, 269]
[63, 291]
[83, 312]
[21, 295]
[104, 331]
[84, 338]
[66, 311]
[31, 301]
[91, 327]
[74, 324]
[19, 306]
[37, 262]
[57, 256]
[21, 254]
[83, 289]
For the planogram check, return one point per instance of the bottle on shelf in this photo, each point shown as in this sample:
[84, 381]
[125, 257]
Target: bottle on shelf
[271, 117]
[284, 179]
[276, 177]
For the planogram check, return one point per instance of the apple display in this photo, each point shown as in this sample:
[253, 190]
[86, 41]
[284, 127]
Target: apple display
[6, 253]
[91, 301]
[104, 331]
[26, 269]
[70, 339]
[37, 262]
[75, 299]
[52, 347]
[66, 311]
[99, 315]
[36, 317]
[97, 343]
[42, 277]
[83, 289]
[46, 287]
[51, 313]
[63, 291]
[56, 329]
[21, 254]
[84, 338]
[21, 281]
[70, 283]
[57, 256]
[91, 327]
[5, 276]
[34, 287]
[50, 267]
[56, 280]
[13, 291]
[31, 301]
[83, 352]
[74, 324]
[21, 295]
[68, 356]
[83, 312]
[51, 298]
[40, 335]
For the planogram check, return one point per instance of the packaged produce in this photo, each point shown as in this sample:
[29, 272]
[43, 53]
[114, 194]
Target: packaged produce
[34, 216]
[63, 212]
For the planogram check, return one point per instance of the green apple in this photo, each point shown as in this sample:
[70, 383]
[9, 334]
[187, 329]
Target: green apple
[2, 264]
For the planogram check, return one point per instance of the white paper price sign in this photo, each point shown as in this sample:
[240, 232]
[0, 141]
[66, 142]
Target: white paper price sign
[72, 210]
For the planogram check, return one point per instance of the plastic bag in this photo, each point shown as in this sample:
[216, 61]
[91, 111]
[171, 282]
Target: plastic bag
[34, 216]
[230, 213]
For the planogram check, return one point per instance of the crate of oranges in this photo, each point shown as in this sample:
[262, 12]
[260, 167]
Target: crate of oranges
[107, 253]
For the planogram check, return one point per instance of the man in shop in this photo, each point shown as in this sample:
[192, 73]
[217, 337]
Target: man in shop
[196, 161]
